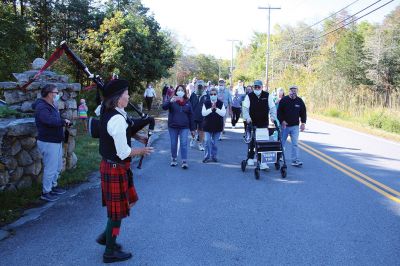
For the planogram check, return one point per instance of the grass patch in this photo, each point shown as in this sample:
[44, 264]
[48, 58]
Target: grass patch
[12, 204]
[6, 112]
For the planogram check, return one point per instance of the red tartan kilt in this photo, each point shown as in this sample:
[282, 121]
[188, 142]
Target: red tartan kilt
[117, 188]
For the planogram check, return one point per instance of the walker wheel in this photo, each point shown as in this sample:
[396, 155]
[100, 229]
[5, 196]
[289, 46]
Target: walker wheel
[243, 165]
[257, 173]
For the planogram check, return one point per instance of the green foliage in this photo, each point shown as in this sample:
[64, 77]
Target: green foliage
[383, 120]
[6, 112]
[16, 46]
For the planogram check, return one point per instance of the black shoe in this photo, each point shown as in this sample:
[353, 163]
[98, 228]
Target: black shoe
[214, 160]
[102, 241]
[57, 191]
[206, 160]
[48, 197]
[117, 255]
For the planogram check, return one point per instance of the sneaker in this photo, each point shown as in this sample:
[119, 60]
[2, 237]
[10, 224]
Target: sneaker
[48, 197]
[116, 255]
[297, 163]
[101, 239]
[193, 143]
[250, 162]
[233, 127]
[264, 166]
[214, 160]
[174, 162]
[184, 165]
[206, 160]
[57, 191]
[201, 147]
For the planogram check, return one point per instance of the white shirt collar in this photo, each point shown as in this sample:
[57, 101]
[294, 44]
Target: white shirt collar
[121, 111]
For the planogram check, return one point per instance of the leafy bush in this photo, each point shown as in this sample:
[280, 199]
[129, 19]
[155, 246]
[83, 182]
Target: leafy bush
[6, 112]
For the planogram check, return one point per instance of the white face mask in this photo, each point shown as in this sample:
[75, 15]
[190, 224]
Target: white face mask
[180, 93]
[257, 92]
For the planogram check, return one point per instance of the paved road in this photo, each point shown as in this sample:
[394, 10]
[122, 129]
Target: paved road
[214, 214]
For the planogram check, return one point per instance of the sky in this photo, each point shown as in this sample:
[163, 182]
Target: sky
[205, 26]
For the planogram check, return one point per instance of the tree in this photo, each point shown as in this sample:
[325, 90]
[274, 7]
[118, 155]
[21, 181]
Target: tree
[16, 47]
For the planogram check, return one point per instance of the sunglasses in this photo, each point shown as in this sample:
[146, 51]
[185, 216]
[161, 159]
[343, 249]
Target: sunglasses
[257, 87]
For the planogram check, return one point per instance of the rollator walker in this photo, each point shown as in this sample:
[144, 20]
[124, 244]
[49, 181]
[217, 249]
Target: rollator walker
[267, 148]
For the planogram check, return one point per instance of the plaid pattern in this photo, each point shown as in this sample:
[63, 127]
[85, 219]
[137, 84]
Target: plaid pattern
[117, 188]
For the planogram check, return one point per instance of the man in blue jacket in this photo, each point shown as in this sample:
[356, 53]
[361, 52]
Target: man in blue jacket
[49, 140]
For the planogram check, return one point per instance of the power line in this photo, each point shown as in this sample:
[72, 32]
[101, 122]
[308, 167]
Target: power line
[357, 12]
[336, 29]
[316, 23]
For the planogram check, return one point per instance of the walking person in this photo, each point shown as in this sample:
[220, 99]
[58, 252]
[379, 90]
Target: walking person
[49, 140]
[291, 111]
[118, 190]
[180, 122]
[249, 89]
[213, 111]
[256, 107]
[197, 100]
[225, 96]
[236, 107]
[279, 95]
[149, 95]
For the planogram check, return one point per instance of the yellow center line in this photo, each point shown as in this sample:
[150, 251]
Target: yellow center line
[389, 189]
[380, 191]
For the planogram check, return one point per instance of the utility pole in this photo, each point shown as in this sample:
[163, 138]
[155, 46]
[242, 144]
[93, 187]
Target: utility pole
[231, 69]
[268, 41]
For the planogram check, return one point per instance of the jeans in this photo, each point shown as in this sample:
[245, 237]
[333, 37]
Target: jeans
[52, 163]
[183, 134]
[210, 149]
[293, 132]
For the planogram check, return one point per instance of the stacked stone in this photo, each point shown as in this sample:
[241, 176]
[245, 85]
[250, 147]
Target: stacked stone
[20, 161]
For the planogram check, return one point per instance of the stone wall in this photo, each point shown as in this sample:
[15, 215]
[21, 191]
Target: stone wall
[20, 160]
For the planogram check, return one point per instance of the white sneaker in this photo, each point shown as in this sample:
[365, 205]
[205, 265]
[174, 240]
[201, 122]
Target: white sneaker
[264, 166]
[250, 162]
[201, 147]
[192, 143]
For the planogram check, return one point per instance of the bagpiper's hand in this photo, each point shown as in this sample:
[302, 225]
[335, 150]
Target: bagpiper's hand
[284, 124]
[147, 151]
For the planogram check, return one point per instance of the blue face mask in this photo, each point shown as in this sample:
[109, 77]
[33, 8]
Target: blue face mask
[56, 98]
[213, 98]
[180, 93]
[257, 92]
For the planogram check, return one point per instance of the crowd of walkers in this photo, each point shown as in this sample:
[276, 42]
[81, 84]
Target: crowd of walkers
[201, 109]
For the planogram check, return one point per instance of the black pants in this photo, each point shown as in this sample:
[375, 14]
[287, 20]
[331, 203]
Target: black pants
[236, 111]
[149, 101]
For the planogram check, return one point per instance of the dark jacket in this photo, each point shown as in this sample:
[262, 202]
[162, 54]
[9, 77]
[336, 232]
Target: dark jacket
[197, 104]
[291, 110]
[213, 122]
[259, 109]
[48, 122]
[179, 116]
[107, 145]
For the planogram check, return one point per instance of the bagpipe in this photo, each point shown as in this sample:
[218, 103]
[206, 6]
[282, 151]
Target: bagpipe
[94, 123]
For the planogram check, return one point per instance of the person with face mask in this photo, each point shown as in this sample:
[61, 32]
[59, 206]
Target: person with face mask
[49, 140]
[291, 111]
[197, 100]
[225, 96]
[214, 112]
[256, 107]
[236, 108]
[180, 122]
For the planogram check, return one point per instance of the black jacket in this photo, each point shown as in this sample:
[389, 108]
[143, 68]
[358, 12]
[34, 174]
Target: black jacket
[292, 110]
